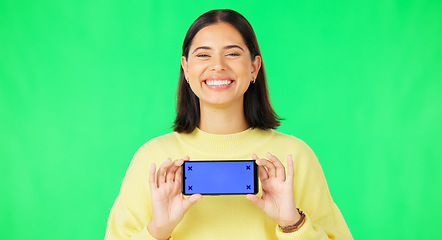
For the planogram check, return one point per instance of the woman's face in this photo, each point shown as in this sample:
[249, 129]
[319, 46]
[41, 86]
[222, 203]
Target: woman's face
[219, 68]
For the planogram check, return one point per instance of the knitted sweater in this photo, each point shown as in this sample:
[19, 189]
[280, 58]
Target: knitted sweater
[227, 216]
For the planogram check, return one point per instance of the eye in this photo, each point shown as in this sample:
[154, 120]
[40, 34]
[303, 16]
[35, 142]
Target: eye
[202, 55]
[233, 54]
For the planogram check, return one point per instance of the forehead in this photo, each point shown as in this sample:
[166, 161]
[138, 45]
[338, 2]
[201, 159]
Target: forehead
[218, 35]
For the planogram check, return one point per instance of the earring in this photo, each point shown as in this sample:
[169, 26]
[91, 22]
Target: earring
[187, 80]
[253, 80]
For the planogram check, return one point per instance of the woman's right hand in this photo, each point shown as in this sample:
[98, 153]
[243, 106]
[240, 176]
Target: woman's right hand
[168, 203]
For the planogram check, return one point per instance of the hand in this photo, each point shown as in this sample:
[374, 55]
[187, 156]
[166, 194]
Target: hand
[277, 200]
[168, 203]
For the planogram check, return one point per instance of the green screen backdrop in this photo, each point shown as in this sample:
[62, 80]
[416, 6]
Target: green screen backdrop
[83, 84]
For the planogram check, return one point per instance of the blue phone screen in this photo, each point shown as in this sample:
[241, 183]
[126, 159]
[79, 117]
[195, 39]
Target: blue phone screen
[220, 177]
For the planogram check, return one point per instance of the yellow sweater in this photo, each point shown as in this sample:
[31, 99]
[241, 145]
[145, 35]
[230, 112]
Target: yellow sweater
[231, 216]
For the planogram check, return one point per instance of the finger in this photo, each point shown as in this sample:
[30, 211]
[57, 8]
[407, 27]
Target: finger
[269, 165]
[161, 174]
[190, 201]
[290, 169]
[177, 181]
[280, 170]
[256, 200]
[170, 174]
[262, 173]
[178, 164]
[177, 176]
[152, 182]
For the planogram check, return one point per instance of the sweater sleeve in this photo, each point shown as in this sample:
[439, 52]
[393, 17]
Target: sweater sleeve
[323, 218]
[131, 211]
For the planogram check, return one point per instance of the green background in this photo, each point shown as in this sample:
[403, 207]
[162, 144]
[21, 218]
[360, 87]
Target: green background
[83, 84]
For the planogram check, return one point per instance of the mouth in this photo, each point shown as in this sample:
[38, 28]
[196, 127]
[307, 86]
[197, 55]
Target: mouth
[218, 83]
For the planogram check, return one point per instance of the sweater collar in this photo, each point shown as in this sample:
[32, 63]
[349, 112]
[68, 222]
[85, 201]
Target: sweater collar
[219, 145]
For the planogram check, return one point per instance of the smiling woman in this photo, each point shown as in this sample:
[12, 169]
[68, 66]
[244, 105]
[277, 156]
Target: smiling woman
[219, 70]
[224, 113]
[257, 109]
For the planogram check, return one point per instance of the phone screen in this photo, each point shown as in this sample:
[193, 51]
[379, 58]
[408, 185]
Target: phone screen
[220, 177]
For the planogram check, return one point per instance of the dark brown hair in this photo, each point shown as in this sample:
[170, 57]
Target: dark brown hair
[257, 108]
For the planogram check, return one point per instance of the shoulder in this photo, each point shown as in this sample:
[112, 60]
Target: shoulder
[287, 139]
[289, 144]
[159, 143]
[163, 139]
[158, 149]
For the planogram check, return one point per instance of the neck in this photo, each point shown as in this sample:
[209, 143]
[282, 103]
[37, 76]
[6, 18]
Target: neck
[223, 120]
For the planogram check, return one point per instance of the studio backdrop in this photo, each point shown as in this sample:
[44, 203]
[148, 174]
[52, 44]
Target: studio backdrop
[83, 84]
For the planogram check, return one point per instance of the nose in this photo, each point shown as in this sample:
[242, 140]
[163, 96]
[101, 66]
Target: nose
[217, 63]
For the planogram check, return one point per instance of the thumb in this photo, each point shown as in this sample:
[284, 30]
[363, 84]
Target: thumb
[256, 200]
[190, 201]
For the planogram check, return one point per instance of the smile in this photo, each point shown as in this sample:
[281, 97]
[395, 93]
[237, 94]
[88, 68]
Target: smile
[218, 82]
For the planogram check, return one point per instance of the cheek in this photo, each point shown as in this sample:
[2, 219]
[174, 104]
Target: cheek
[196, 69]
[243, 68]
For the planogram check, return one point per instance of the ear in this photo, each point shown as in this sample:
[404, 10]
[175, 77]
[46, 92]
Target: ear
[256, 65]
[184, 66]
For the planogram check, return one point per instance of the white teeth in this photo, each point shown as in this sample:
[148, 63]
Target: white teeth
[219, 82]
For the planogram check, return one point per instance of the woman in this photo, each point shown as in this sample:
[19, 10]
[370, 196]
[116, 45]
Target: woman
[223, 112]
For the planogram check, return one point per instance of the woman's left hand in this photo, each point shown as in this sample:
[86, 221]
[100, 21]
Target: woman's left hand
[277, 200]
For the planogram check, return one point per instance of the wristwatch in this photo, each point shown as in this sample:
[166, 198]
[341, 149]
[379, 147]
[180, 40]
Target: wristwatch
[296, 226]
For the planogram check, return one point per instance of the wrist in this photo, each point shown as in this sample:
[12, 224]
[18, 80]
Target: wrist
[288, 228]
[294, 218]
[159, 232]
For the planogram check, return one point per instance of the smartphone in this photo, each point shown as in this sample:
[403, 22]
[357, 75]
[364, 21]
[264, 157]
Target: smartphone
[220, 177]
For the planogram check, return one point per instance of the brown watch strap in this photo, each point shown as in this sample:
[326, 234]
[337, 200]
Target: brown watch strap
[296, 226]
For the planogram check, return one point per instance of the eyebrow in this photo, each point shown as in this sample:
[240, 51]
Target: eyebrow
[226, 47]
